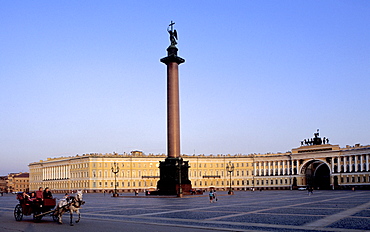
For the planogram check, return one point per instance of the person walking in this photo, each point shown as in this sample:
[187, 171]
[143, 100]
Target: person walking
[211, 196]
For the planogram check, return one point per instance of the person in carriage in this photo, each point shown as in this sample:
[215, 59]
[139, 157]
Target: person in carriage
[47, 194]
[32, 196]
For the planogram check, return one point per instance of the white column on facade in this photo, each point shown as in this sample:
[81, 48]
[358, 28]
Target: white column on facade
[278, 167]
[288, 167]
[292, 164]
[339, 164]
[283, 167]
[274, 168]
[332, 164]
[345, 164]
[362, 163]
[350, 163]
[269, 167]
[255, 169]
[367, 162]
[259, 168]
[264, 168]
[356, 165]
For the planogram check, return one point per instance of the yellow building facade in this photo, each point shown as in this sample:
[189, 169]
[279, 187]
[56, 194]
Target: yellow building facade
[17, 182]
[321, 166]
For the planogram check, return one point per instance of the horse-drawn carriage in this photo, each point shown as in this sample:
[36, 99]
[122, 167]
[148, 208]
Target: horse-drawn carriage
[38, 208]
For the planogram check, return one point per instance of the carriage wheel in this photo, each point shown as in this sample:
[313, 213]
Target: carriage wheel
[18, 212]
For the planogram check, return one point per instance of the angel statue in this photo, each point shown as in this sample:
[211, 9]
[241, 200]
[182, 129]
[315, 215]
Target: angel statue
[173, 34]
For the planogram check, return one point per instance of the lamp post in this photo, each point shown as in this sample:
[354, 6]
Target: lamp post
[115, 170]
[230, 169]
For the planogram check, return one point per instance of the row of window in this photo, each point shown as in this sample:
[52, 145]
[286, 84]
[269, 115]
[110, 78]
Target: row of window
[353, 179]
[351, 168]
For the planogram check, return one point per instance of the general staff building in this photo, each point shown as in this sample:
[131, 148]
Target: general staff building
[322, 166]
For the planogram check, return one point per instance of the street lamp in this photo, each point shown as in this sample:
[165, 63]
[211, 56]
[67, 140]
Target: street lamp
[230, 169]
[115, 170]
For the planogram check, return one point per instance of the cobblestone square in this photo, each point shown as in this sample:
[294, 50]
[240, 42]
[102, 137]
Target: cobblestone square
[245, 211]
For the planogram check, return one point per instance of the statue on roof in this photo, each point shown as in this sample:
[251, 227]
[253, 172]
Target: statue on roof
[316, 140]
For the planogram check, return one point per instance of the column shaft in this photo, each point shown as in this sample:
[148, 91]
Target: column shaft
[173, 115]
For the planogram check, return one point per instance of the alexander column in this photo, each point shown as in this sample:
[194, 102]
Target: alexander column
[174, 178]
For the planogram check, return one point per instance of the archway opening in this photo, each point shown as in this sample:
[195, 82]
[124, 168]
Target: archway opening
[317, 175]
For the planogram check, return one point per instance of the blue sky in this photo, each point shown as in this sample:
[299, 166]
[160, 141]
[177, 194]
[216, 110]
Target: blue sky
[84, 76]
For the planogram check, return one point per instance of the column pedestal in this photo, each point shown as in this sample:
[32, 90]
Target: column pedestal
[170, 183]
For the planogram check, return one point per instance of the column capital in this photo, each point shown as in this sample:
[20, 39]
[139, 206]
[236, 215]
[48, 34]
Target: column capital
[172, 58]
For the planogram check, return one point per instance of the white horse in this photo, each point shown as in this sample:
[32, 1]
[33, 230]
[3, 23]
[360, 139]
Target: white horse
[71, 204]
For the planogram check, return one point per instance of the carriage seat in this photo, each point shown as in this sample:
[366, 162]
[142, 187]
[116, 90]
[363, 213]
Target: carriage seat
[50, 202]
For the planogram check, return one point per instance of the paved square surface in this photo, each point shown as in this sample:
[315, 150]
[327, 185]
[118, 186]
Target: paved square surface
[244, 211]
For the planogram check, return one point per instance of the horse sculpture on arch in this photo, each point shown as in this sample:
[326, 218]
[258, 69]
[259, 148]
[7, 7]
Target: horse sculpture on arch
[70, 204]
